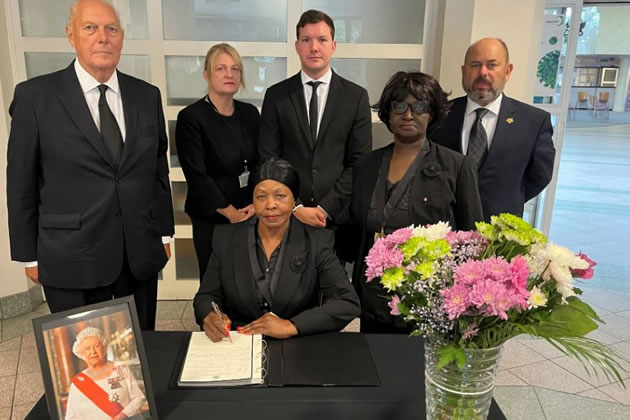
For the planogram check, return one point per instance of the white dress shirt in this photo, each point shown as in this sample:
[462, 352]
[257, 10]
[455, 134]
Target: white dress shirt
[322, 94]
[89, 86]
[489, 121]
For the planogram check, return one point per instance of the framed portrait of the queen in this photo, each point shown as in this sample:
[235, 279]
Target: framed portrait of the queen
[93, 363]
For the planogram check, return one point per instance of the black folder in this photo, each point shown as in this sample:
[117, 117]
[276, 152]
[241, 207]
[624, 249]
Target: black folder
[331, 359]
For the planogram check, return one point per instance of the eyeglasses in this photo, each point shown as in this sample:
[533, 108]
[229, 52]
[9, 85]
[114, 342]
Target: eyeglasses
[418, 107]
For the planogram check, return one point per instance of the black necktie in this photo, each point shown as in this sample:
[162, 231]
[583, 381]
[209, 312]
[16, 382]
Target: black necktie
[478, 140]
[312, 109]
[110, 132]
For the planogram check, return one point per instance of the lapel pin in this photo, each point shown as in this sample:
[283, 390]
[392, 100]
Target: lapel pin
[509, 120]
[425, 199]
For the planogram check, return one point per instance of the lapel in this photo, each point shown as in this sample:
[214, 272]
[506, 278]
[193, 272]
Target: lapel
[296, 93]
[291, 270]
[456, 117]
[130, 109]
[334, 91]
[368, 184]
[243, 275]
[73, 100]
[504, 130]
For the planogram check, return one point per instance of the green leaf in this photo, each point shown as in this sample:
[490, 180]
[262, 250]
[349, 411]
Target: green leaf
[449, 354]
[571, 319]
[584, 307]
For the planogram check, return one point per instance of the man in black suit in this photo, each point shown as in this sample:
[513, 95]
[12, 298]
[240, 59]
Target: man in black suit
[319, 122]
[509, 141]
[88, 193]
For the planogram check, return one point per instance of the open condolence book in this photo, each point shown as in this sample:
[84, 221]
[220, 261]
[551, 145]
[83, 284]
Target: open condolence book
[329, 359]
[240, 362]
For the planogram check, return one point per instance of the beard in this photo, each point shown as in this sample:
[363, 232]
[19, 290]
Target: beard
[489, 95]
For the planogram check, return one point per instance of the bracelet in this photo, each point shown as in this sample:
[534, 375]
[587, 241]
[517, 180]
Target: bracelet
[296, 207]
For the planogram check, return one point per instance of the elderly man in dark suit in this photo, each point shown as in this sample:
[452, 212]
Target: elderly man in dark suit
[88, 193]
[319, 122]
[509, 141]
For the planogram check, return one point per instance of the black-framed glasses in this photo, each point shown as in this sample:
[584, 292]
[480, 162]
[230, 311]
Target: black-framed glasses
[418, 107]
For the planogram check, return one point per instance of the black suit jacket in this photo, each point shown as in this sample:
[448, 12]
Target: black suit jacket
[310, 269]
[445, 189]
[69, 207]
[324, 165]
[211, 161]
[519, 164]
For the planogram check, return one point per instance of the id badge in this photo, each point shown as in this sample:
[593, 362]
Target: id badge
[243, 179]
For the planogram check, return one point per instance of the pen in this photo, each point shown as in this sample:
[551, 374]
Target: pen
[220, 315]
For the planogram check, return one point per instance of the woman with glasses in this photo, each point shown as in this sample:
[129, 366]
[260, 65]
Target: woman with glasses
[217, 139]
[410, 181]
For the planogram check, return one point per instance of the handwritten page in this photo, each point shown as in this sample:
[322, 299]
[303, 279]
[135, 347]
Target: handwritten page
[224, 363]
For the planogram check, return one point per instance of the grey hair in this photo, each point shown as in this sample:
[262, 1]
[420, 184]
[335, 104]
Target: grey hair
[75, 6]
[87, 332]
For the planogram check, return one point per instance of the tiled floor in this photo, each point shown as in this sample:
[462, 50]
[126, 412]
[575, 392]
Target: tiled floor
[535, 380]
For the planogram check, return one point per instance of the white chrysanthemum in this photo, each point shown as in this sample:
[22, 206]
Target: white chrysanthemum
[536, 298]
[558, 262]
[433, 232]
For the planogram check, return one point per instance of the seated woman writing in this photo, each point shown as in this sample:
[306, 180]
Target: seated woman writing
[105, 390]
[272, 274]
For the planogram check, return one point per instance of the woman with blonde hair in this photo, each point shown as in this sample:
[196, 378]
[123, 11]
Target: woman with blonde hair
[217, 140]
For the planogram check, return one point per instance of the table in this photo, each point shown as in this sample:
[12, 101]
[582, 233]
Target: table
[399, 361]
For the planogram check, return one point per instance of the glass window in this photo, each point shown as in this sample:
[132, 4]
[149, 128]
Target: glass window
[374, 21]
[186, 265]
[179, 191]
[372, 73]
[234, 20]
[585, 76]
[45, 18]
[185, 84]
[38, 63]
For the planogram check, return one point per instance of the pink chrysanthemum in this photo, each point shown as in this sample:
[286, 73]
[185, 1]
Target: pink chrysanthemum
[398, 237]
[520, 273]
[381, 257]
[459, 237]
[486, 294]
[456, 300]
[393, 305]
[470, 272]
[497, 269]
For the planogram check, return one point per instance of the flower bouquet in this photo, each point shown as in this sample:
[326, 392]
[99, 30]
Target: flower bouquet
[469, 292]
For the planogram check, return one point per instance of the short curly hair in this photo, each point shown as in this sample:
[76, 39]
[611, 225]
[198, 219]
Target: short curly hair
[421, 86]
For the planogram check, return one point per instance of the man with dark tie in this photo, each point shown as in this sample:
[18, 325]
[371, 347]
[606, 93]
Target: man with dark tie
[89, 200]
[509, 141]
[320, 123]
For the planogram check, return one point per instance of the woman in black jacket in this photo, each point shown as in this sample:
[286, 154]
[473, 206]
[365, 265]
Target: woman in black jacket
[217, 140]
[411, 181]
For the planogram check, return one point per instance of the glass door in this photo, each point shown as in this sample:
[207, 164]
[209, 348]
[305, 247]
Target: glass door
[552, 92]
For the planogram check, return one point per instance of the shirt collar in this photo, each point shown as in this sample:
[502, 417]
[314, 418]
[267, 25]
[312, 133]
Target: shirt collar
[325, 78]
[493, 106]
[88, 82]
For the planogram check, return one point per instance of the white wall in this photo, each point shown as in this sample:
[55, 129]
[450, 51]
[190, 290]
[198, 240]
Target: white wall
[518, 23]
[614, 30]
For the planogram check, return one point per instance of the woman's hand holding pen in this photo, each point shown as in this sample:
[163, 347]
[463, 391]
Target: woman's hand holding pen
[216, 328]
[271, 325]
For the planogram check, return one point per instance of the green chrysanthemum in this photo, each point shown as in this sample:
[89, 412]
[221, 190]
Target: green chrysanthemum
[487, 230]
[392, 278]
[426, 269]
[410, 248]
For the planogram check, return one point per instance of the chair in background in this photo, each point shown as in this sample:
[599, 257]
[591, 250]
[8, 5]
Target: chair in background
[600, 105]
[582, 101]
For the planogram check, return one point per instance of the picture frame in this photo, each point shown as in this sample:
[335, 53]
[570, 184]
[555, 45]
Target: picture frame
[94, 364]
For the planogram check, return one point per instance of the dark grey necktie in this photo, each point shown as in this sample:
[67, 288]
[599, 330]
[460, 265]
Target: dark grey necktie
[110, 132]
[312, 109]
[478, 140]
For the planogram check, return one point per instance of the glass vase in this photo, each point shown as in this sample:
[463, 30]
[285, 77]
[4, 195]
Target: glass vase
[457, 394]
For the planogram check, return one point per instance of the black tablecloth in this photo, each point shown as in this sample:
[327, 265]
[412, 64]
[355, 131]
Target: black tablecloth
[399, 361]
